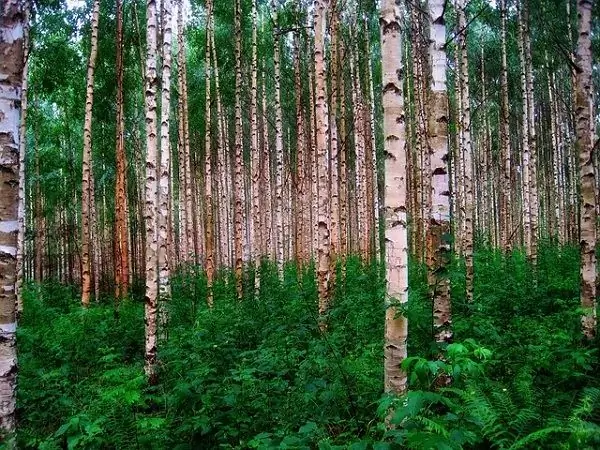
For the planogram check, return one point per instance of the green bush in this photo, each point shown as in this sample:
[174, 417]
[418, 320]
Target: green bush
[258, 373]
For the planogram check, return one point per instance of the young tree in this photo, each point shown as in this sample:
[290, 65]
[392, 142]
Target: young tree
[396, 325]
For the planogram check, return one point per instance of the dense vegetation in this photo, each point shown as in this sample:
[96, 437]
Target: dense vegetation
[258, 373]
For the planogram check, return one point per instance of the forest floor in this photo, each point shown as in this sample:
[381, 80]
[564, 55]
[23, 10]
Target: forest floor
[259, 373]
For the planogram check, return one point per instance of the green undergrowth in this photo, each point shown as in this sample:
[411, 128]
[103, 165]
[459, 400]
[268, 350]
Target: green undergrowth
[258, 373]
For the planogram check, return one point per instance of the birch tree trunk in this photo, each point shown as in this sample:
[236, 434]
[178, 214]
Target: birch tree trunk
[87, 157]
[255, 155]
[121, 229]
[531, 136]
[22, 151]
[322, 119]
[334, 147]
[359, 160]
[278, 149]
[165, 161]
[151, 191]
[301, 157]
[396, 325]
[466, 150]
[505, 150]
[11, 74]
[439, 219]
[374, 166]
[266, 178]
[584, 145]
[239, 160]
[343, 152]
[525, 139]
[183, 219]
[209, 261]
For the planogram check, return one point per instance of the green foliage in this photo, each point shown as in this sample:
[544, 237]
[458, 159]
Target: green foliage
[258, 373]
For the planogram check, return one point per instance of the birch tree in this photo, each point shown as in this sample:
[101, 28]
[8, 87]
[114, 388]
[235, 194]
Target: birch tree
[239, 159]
[584, 145]
[22, 151]
[396, 236]
[165, 154]
[322, 120]
[151, 190]
[11, 76]
[439, 220]
[86, 196]
[121, 232]
[466, 148]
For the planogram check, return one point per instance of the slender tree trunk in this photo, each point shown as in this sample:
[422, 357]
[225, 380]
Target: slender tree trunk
[165, 161]
[531, 136]
[151, 191]
[373, 144]
[302, 205]
[11, 74]
[343, 152]
[182, 218]
[191, 218]
[439, 219]
[359, 160]
[189, 241]
[505, 148]
[22, 151]
[396, 325]
[266, 177]
[458, 168]
[239, 160]
[94, 236]
[584, 123]
[255, 155]
[334, 147]
[322, 119]
[209, 262]
[87, 158]
[525, 140]
[467, 151]
[38, 218]
[312, 128]
[278, 149]
[222, 150]
[121, 244]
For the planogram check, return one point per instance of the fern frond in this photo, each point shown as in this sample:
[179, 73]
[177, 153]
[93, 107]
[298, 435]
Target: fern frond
[538, 436]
